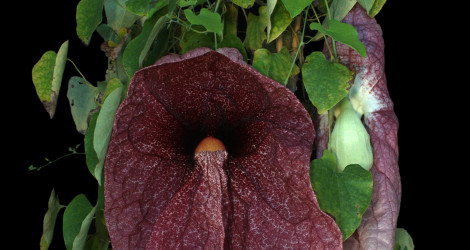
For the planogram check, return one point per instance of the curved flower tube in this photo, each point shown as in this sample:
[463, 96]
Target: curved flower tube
[369, 97]
[208, 153]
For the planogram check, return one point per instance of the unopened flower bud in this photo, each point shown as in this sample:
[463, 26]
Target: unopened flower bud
[349, 140]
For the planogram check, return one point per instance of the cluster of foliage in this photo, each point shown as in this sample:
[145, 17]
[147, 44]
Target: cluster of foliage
[271, 35]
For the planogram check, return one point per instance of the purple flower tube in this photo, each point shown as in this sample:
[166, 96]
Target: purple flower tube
[369, 96]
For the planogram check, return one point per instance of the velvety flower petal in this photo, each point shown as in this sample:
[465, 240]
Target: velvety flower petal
[369, 96]
[253, 193]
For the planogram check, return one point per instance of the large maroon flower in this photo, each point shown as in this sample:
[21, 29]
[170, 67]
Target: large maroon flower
[247, 184]
[369, 96]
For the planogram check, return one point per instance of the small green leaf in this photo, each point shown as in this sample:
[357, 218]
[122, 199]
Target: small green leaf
[342, 32]
[233, 41]
[82, 100]
[117, 16]
[80, 240]
[186, 3]
[192, 40]
[338, 10]
[137, 49]
[294, 7]
[138, 7]
[403, 240]
[255, 34]
[210, 20]
[49, 220]
[158, 49]
[280, 20]
[274, 65]
[90, 153]
[103, 129]
[366, 4]
[246, 4]
[378, 4]
[326, 82]
[230, 20]
[100, 239]
[88, 17]
[112, 85]
[76, 217]
[344, 195]
[47, 77]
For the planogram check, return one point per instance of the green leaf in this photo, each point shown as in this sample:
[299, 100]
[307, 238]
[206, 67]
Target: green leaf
[230, 20]
[47, 77]
[49, 220]
[186, 3]
[274, 65]
[326, 82]
[192, 40]
[280, 20]
[366, 4]
[100, 239]
[208, 19]
[103, 129]
[76, 221]
[112, 85]
[82, 100]
[338, 10]
[138, 7]
[255, 34]
[342, 32]
[246, 4]
[403, 240]
[378, 4]
[90, 153]
[117, 16]
[158, 49]
[88, 17]
[136, 51]
[233, 41]
[294, 7]
[344, 195]
[270, 5]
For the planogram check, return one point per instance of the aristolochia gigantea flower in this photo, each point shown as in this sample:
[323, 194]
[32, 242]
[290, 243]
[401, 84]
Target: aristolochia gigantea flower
[208, 153]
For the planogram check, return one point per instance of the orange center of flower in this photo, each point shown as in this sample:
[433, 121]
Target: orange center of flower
[209, 144]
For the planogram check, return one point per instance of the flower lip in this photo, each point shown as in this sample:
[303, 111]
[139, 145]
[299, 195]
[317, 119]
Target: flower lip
[209, 144]
[163, 192]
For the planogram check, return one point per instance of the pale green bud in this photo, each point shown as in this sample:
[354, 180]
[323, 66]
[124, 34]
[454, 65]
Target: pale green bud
[349, 140]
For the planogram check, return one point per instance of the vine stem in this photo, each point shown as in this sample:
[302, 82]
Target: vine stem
[301, 44]
[53, 161]
[324, 36]
[215, 35]
[79, 72]
[333, 43]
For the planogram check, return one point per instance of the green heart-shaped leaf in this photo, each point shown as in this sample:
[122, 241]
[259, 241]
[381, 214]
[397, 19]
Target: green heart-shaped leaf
[89, 15]
[326, 82]
[279, 21]
[296, 6]
[274, 65]
[255, 34]
[47, 77]
[210, 20]
[342, 32]
[344, 195]
[76, 222]
[82, 101]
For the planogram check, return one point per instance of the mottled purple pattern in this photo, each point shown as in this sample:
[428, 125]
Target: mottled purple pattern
[256, 194]
[369, 95]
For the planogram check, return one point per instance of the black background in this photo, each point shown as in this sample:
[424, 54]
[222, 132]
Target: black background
[32, 136]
